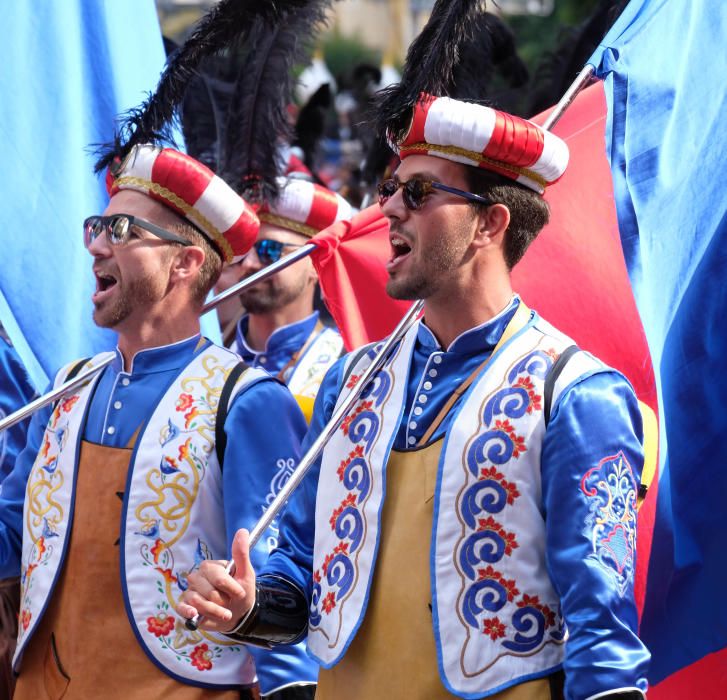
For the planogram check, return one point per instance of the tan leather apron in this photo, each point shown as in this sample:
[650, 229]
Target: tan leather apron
[84, 646]
[393, 655]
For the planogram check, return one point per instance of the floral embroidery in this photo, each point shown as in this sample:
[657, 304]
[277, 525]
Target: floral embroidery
[352, 381]
[69, 403]
[493, 628]
[329, 602]
[611, 490]
[184, 402]
[201, 657]
[25, 617]
[160, 625]
[490, 601]
[361, 407]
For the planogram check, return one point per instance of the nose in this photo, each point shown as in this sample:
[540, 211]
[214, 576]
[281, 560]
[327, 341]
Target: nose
[251, 261]
[394, 207]
[100, 247]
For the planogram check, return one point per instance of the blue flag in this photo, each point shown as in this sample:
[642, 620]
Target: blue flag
[664, 64]
[66, 70]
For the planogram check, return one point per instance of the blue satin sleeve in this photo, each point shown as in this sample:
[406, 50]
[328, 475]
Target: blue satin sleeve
[293, 558]
[591, 468]
[12, 495]
[264, 430]
[15, 392]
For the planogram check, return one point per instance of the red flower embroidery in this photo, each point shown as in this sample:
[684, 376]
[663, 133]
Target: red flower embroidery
[491, 524]
[184, 448]
[25, 618]
[41, 546]
[492, 474]
[67, 404]
[518, 442]
[190, 416]
[329, 602]
[350, 500]
[201, 657]
[529, 601]
[184, 402]
[341, 548]
[169, 577]
[356, 452]
[161, 625]
[363, 406]
[549, 616]
[45, 448]
[326, 562]
[534, 399]
[493, 628]
[317, 576]
[508, 584]
[157, 549]
[352, 381]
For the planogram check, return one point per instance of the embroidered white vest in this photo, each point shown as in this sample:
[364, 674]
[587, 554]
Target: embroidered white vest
[306, 376]
[496, 616]
[172, 518]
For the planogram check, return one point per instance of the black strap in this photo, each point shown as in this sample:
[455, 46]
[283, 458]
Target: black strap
[354, 361]
[76, 369]
[552, 377]
[222, 408]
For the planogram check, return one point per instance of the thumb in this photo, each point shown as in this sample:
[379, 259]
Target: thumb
[244, 573]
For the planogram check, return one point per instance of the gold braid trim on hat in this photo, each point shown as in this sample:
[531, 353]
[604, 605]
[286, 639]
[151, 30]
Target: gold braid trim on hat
[190, 212]
[283, 221]
[473, 155]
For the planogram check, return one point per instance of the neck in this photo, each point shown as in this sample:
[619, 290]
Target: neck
[261, 326]
[154, 332]
[450, 315]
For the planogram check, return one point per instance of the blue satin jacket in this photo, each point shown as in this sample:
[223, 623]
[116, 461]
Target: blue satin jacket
[596, 417]
[123, 401]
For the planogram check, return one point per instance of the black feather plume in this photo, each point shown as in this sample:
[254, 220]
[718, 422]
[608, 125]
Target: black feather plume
[258, 120]
[430, 62]
[225, 23]
[311, 124]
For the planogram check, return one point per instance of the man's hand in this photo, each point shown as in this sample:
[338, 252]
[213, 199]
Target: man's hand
[223, 599]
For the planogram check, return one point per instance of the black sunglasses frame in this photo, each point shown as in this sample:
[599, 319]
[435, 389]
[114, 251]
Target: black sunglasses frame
[94, 226]
[414, 201]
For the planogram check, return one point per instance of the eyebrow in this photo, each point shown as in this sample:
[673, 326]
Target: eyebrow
[425, 175]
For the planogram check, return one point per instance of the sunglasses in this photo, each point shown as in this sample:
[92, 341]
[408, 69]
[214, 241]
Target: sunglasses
[117, 228]
[269, 251]
[415, 191]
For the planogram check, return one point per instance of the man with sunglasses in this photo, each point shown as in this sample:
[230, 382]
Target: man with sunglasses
[129, 483]
[281, 332]
[475, 515]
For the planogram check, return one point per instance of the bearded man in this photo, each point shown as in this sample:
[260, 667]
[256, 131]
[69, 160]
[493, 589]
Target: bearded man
[130, 482]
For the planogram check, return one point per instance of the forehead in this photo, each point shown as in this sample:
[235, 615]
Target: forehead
[432, 168]
[278, 233]
[138, 204]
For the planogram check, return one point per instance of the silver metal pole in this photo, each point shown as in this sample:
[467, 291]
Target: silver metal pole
[82, 378]
[330, 428]
[570, 94]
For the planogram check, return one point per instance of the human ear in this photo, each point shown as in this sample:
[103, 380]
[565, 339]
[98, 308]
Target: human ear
[492, 222]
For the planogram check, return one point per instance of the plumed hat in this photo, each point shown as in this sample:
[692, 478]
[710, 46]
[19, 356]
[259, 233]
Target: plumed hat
[487, 138]
[191, 190]
[305, 207]
[420, 116]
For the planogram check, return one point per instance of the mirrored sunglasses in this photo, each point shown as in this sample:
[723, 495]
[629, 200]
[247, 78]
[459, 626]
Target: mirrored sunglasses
[117, 228]
[269, 251]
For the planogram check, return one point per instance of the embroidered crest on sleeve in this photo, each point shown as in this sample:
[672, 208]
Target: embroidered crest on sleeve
[611, 489]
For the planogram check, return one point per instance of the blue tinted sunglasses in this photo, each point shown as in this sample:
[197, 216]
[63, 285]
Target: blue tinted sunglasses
[269, 251]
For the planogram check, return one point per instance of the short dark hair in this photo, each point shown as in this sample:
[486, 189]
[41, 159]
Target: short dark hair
[529, 212]
[211, 268]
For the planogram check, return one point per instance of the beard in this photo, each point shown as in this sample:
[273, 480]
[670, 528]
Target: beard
[436, 261]
[129, 296]
[270, 296]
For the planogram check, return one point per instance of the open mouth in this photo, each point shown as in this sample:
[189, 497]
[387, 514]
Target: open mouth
[104, 283]
[400, 249]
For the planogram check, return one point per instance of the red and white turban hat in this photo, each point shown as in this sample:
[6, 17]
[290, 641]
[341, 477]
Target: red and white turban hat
[305, 207]
[191, 190]
[486, 138]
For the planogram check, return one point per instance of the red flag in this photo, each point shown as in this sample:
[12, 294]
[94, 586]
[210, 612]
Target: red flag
[351, 261]
[574, 274]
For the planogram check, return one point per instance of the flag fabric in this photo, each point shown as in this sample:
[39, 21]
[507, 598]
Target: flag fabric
[66, 70]
[663, 64]
[350, 259]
